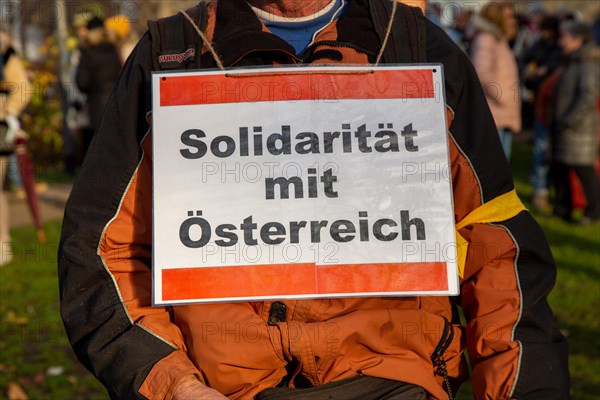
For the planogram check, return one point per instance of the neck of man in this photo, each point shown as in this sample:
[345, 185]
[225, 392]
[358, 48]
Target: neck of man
[290, 8]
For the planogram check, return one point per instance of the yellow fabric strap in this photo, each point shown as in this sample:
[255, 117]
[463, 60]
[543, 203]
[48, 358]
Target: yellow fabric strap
[499, 209]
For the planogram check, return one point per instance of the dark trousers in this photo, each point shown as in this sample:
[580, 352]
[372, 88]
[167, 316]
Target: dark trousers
[591, 188]
[358, 388]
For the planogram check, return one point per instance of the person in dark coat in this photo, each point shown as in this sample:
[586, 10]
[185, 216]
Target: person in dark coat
[544, 56]
[576, 122]
[98, 71]
[538, 64]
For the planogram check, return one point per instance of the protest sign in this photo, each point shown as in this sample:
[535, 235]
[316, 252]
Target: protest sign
[301, 183]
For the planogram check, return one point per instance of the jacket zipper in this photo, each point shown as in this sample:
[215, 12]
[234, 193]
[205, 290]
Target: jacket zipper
[438, 355]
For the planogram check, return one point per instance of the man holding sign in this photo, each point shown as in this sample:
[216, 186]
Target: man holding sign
[279, 232]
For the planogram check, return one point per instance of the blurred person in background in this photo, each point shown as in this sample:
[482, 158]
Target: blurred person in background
[15, 94]
[459, 31]
[434, 11]
[77, 120]
[575, 125]
[121, 35]
[537, 67]
[98, 71]
[529, 29]
[597, 30]
[497, 67]
[13, 180]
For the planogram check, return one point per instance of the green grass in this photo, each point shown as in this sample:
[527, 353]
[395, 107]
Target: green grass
[32, 338]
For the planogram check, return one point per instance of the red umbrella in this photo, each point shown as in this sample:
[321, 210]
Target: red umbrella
[27, 174]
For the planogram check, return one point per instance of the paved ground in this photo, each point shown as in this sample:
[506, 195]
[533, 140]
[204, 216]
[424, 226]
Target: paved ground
[52, 202]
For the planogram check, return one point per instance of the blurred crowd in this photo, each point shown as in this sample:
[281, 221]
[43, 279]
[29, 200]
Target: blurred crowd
[541, 73]
[97, 49]
[95, 60]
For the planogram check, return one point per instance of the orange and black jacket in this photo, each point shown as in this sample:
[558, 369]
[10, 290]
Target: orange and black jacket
[140, 351]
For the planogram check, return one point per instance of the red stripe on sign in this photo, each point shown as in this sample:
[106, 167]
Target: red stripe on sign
[301, 279]
[242, 88]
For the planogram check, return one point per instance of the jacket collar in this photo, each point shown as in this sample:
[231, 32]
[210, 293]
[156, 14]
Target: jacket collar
[239, 32]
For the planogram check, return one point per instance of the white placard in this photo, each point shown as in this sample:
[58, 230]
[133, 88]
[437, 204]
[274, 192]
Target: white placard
[266, 186]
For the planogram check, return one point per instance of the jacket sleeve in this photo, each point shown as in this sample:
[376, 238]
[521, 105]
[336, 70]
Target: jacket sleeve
[515, 350]
[105, 253]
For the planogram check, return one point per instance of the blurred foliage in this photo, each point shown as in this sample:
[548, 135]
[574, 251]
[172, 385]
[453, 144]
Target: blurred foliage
[43, 119]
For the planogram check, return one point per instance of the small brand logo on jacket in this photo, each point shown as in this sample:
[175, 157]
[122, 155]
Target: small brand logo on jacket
[175, 60]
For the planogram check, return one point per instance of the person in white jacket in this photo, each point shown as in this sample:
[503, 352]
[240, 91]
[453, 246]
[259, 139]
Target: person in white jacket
[15, 94]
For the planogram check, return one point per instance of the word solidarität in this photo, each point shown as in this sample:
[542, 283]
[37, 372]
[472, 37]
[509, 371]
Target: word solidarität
[346, 140]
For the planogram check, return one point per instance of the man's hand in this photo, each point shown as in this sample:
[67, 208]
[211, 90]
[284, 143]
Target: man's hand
[190, 388]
